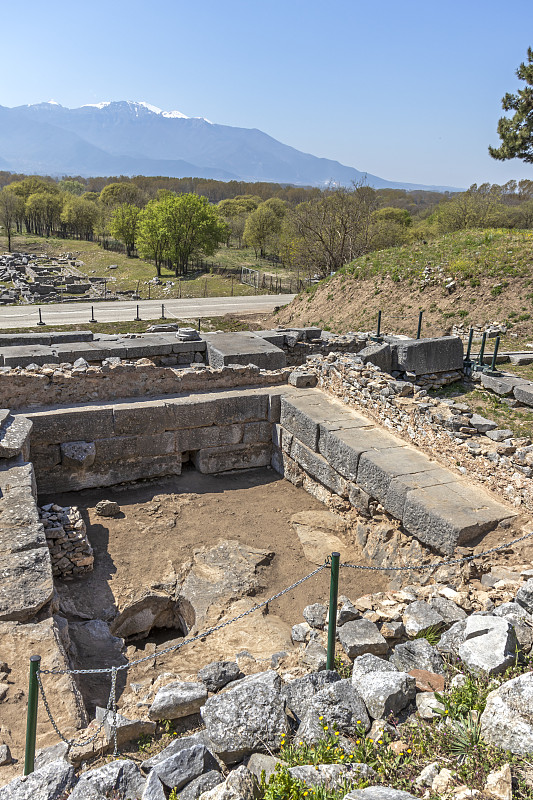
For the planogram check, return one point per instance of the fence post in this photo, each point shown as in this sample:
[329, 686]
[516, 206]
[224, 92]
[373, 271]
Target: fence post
[137, 318]
[419, 331]
[92, 315]
[31, 719]
[40, 319]
[495, 354]
[332, 622]
[199, 324]
[162, 311]
[469, 346]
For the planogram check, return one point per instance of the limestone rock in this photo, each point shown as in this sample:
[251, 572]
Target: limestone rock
[507, 721]
[426, 703]
[315, 656]
[239, 785]
[499, 784]
[300, 632]
[150, 610]
[331, 775]
[418, 654]
[428, 774]
[175, 747]
[428, 681]
[261, 762]
[107, 508]
[315, 615]
[299, 692]
[219, 673]
[184, 766]
[94, 645]
[365, 665]
[203, 783]
[78, 455]
[245, 718]
[153, 788]
[489, 644]
[378, 793]
[121, 776]
[317, 532]
[5, 755]
[178, 699]
[449, 611]
[524, 596]
[47, 783]
[386, 693]
[419, 616]
[360, 637]
[347, 613]
[127, 729]
[341, 708]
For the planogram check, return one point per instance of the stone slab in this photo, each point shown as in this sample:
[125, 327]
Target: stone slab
[212, 460]
[398, 488]
[377, 468]
[275, 337]
[317, 467]
[302, 414]
[108, 474]
[452, 514]
[502, 385]
[524, 393]
[22, 356]
[345, 448]
[422, 356]
[243, 348]
[26, 585]
[55, 426]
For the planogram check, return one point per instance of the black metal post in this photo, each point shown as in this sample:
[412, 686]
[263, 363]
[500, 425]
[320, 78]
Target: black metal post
[162, 311]
[92, 315]
[419, 331]
[40, 319]
[379, 324]
[137, 318]
[31, 719]
[495, 354]
[482, 349]
[469, 346]
[199, 324]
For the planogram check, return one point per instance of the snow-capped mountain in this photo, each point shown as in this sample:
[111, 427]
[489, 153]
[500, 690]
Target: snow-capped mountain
[137, 138]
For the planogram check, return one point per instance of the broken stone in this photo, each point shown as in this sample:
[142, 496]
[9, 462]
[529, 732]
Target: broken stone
[219, 673]
[360, 637]
[178, 699]
[107, 508]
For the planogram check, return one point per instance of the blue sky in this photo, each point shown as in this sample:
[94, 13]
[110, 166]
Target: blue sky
[409, 91]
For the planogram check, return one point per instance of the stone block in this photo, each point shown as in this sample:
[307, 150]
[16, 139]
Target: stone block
[377, 468]
[78, 455]
[230, 407]
[275, 337]
[422, 356]
[26, 585]
[502, 385]
[70, 352]
[360, 637]
[22, 356]
[213, 436]
[344, 447]
[131, 418]
[212, 460]
[56, 426]
[378, 354]
[317, 467]
[14, 436]
[108, 474]
[302, 414]
[45, 456]
[451, 514]
[243, 348]
[257, 432]
[398, 488]
[524, 394]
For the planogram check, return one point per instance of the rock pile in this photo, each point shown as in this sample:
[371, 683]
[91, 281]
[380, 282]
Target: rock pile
[66, 536]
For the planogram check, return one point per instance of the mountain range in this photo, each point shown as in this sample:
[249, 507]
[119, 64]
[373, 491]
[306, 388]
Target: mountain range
[135, 138]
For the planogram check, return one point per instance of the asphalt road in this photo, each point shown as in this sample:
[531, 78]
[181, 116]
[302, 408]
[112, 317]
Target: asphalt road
[118, 311]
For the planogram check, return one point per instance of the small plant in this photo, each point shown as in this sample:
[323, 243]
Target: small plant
[465, 737]
[144, 742]
[432, 634]
[460, 701]
[342, 667]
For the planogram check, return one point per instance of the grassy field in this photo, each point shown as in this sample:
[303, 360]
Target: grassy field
[227, 323]
[135, 274]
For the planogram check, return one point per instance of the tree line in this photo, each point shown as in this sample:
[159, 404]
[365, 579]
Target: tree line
[317, 234]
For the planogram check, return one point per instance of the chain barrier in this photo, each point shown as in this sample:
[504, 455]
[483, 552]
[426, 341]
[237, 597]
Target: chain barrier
[451, 562]
[112, 704]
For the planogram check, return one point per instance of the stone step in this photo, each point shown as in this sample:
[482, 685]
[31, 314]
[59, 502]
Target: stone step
[14, 436]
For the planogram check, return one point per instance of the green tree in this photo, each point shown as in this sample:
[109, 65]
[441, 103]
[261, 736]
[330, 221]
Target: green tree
[151, 233]
[114, 194]
[71, 186]
[478, 207]
[516, 132]
[193, 227]
[43, 212]
[123, 225]
[11, 207]
[79, 217]
[261, 228]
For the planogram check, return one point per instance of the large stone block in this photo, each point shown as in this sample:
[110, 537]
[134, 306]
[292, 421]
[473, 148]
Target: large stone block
[14, 436]
[345, 447]
[524, 393]
[378, 354]
[377, 468]
[228, 408]
[213, 436]
[317, 467]
[22, 356]
[398, 488]
[421, 356]
[108, 474]
[27, 583]
[302, 414]
[135, 417]
[451, 514]
[243, 348]
[503, 385]
[87, 424]
[240, 456]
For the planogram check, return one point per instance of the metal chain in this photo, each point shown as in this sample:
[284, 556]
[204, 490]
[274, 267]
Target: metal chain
[111, 703]
[196, 638]
[451, 562]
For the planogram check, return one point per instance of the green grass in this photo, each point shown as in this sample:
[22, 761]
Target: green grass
[466, 255]
[207, 324]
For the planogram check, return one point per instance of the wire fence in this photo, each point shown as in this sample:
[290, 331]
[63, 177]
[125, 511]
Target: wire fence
[113, 671]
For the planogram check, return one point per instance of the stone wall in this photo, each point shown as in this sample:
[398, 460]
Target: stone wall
[66, 536]
[101, 445]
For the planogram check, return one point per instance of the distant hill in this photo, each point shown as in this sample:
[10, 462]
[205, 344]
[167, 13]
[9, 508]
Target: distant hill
[130, 138]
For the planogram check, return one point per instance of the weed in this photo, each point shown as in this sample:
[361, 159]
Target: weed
[342, 667]
[431, 634]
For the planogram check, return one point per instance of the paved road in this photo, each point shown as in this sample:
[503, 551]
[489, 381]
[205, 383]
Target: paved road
[74, 313]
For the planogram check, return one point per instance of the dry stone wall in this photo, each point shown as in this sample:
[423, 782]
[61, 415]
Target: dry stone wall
[66, 536]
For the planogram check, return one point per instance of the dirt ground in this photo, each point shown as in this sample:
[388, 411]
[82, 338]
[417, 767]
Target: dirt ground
[161, 524]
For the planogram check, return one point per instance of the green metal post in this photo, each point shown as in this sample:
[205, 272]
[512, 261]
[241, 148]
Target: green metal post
[469, 346]
[495, 354]
[419, 331]
[31, 720]
[332, 622]
[482, 349]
